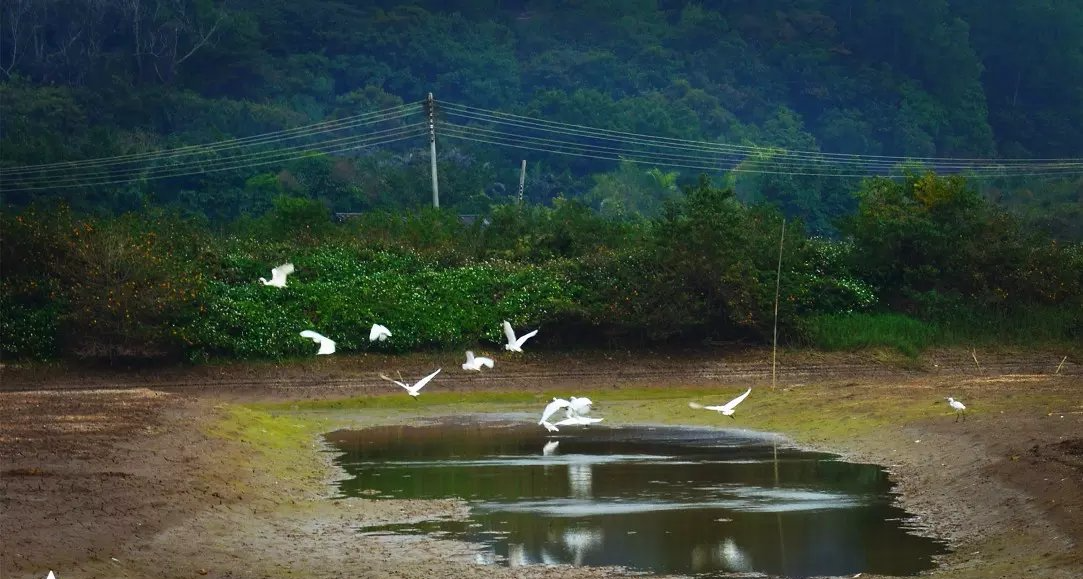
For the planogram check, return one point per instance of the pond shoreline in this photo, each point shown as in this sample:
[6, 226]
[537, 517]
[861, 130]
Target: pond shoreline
[233, 483]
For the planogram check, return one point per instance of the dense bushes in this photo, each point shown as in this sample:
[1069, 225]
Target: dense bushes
[926, 263]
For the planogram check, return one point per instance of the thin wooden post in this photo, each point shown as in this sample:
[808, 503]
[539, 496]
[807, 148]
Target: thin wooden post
[778, 282]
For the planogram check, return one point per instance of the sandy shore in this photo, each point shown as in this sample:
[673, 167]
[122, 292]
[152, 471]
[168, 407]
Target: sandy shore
[208, 472]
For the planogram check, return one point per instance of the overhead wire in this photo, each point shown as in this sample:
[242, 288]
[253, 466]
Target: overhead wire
[253, 140]
[587, 150]
[166, 170]
[455, 107]
[771, 156]
[354, 143]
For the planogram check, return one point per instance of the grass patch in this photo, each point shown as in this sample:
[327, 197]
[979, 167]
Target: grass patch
[282, 444]
[858, 331]
[1047, 326]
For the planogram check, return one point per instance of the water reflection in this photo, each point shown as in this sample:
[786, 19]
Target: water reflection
[579, 477]
[666, 500]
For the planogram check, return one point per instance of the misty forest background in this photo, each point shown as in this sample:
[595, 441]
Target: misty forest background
[602, 253]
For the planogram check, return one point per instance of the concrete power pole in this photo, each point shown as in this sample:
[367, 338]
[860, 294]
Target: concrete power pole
[522, 181]
[432, 150]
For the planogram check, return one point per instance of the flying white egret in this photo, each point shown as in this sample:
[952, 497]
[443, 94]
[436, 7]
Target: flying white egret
[550, 448]
[959, 407]
[515, 344]
[475, 363]
[327, 345]
[578, 421]
[551, 409]
[726, 409]
[379, 332]
[416, 388]
[278, 275]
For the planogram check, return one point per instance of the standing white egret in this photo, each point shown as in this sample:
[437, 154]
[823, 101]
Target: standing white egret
[475, 363]
[278, 275]
[416, 388]
[327, 345]
[551, 409]
[726, 409]
[959, 408]
[515, 344]
[379, 332]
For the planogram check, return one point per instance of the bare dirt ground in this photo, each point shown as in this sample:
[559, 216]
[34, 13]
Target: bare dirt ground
[127, 474]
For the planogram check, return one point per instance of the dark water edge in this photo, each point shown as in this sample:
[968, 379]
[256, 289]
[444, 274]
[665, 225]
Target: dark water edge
[700, 501]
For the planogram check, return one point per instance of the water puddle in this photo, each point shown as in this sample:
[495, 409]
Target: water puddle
[666, 500]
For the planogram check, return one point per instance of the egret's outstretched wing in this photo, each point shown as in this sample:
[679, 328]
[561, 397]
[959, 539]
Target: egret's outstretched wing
[278, 274]
[696, 405]
[578, 420]
[483, 361]
[519, 343]
[312, 336]
[469, 357]
[422, 382]
[580, 406]
[552, 407]
[379, 332]
[509, 333]
[549, 426]
[393, 381]
[733, 403]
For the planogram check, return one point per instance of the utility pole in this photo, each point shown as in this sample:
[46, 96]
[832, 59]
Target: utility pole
[432, 150]
[522, 181]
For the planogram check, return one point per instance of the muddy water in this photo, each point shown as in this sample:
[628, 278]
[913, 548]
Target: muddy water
[665, 500]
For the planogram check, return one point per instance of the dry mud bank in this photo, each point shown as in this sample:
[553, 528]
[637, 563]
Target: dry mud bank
[218, 472]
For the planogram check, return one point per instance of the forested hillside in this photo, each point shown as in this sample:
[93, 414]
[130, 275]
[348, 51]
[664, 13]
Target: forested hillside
[930, 78]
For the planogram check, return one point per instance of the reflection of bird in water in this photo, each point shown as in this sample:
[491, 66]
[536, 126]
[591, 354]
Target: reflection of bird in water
[580, 477]
[550, 448]
[731, 557]
[517, 555]
[582, 541]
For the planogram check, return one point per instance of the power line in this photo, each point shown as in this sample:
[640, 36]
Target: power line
[358, 143]
[776, 157]
[747, 148]
[260, 139]
[207, 164]
[641, 156]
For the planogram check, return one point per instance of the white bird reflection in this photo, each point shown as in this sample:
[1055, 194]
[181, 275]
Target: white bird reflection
[517, 556]
[580, 478]
[550, 448]
[732, 557]
[581, 541]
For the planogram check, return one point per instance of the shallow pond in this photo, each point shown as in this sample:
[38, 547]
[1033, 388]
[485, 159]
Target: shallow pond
[667, 500]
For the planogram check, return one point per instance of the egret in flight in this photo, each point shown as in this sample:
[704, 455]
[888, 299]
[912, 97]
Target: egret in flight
[551, 409]
[379, 332]
[579, 406]
[515, 344]
[475, 363]
[327, 345]
[278, 275]
[414, 390]
[726, 409]
[959, 408]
